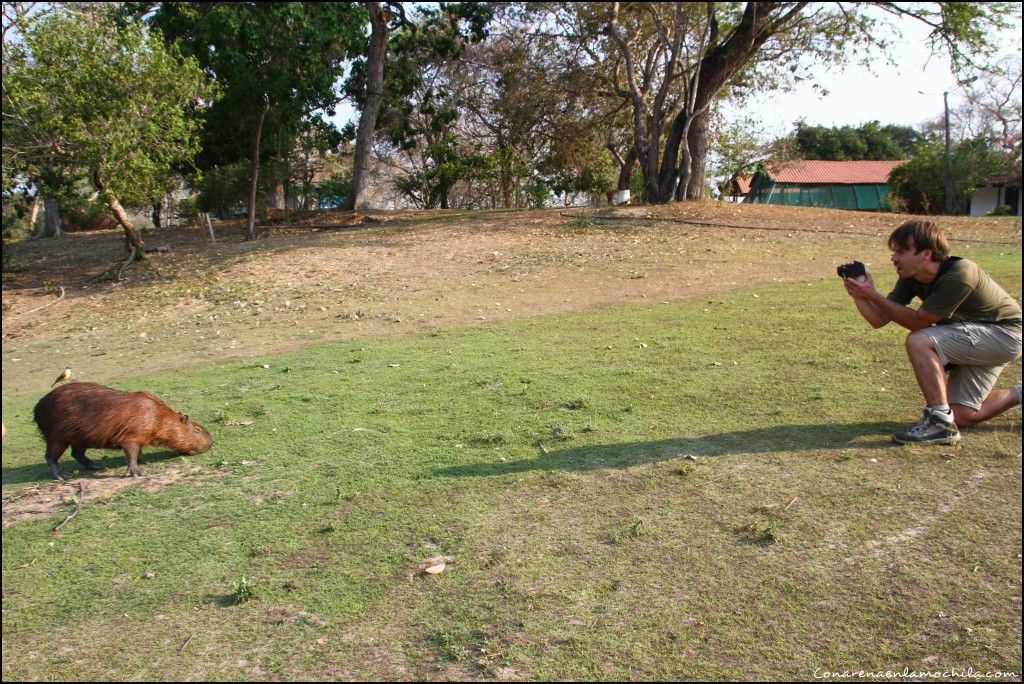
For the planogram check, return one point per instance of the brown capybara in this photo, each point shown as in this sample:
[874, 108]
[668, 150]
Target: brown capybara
[85, 415]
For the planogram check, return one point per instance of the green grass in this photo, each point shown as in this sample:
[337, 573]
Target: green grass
[694, 490]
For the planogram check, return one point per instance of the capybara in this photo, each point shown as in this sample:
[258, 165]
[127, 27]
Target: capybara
[85, 415]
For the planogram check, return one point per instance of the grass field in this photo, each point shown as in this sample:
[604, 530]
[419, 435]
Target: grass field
[700, 488]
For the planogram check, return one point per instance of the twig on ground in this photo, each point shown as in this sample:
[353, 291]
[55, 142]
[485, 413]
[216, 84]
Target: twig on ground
[38, 308]
[78, 507]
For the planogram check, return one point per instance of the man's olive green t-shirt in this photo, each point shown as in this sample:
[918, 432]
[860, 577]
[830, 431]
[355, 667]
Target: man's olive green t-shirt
[960, 292]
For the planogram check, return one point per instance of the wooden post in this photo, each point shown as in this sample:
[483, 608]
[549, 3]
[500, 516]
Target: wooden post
[209, 228]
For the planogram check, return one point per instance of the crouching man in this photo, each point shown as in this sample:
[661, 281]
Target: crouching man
[966, 325]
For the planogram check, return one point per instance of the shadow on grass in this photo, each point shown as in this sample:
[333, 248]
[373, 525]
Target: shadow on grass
[223, 600]
[41, 472]
[779, 438]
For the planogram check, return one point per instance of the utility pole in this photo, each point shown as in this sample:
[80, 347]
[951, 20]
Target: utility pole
[948, 175]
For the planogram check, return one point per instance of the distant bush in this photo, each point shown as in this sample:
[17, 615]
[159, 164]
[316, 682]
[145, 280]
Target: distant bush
[85, 212]
[224, 188]
[1001, 210]
[188, 210]
[16, 209]
[332, 192]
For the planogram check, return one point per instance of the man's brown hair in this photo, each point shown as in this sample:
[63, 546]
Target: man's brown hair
[919, 235]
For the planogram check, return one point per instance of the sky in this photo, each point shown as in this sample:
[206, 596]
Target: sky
[888, 93]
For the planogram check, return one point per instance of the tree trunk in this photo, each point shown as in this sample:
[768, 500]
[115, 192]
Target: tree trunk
[156, 213]
[33, 214]
[51, 219]
[626, 170]
[718, 65]
[374, 97]
[130, 233]
[254, 172]
[699, 135]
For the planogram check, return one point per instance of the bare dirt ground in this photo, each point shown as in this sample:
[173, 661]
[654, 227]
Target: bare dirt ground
[45, 500]
[335, 276]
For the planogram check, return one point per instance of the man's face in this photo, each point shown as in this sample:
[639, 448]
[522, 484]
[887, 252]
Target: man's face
[910, 262]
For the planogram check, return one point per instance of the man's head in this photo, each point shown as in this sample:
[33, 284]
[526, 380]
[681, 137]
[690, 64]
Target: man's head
[918, 246]
[917, 235]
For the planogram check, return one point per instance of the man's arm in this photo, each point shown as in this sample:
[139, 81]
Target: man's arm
[871, 313]
[878, 309]
[868, 311]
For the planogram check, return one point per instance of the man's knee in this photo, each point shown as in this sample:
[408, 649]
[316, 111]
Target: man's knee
[918, 341]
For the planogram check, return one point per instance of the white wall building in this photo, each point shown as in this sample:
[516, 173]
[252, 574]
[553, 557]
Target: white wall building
[988, 197]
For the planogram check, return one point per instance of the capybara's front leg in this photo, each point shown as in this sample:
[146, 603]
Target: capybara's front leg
[79, 453]
[132, 452]
[54, 452]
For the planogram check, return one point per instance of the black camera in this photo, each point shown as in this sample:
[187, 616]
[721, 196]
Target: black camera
[851, 270]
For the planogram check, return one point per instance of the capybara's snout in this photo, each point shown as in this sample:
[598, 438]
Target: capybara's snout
[196, 440]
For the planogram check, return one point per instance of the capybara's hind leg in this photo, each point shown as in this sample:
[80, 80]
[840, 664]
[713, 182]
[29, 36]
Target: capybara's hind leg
[87, 463]
[132, 452]
[53, 452]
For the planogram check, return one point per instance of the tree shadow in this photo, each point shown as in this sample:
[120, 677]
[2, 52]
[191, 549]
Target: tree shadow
[781, 438]
[40, 472]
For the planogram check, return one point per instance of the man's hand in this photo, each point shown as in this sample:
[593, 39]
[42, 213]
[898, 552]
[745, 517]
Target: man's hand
[861, 287]
[862, 290]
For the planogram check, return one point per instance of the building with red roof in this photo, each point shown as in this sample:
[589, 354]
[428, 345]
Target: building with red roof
[862, 185]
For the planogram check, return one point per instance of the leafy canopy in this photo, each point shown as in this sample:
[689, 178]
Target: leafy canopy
[91, 95]
[288, 55]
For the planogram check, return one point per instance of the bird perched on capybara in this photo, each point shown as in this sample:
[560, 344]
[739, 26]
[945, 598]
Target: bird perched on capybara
[63, 377]
[85, 415]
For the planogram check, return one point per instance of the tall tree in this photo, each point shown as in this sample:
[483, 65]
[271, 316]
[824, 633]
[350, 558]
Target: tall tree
[276, 62]
[992, 108]
[672, 61]
[773, 38]
[375, 56]
[104, 100]
[401, 48]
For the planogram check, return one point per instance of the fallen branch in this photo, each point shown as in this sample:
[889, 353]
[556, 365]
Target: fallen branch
[39, 308]
[78, 507]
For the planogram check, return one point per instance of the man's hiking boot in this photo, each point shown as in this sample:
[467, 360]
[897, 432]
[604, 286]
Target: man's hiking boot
[930, 430]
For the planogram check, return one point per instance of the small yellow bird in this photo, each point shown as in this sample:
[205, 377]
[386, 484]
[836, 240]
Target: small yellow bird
[66, 375]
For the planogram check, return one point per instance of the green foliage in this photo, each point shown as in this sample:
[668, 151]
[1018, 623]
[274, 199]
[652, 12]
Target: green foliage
[223, 188]
[331, 192]
[287, 54]
[849, 143]
[244, 591]
[919, 185]
[421, 105]
[16, 208]
[445, 164]
[85, 212]
[122, 111]
[576, 163]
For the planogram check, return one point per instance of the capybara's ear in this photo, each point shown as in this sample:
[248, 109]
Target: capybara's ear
[184, 418]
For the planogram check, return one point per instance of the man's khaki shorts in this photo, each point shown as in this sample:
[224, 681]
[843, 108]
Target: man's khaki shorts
[977, 354]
